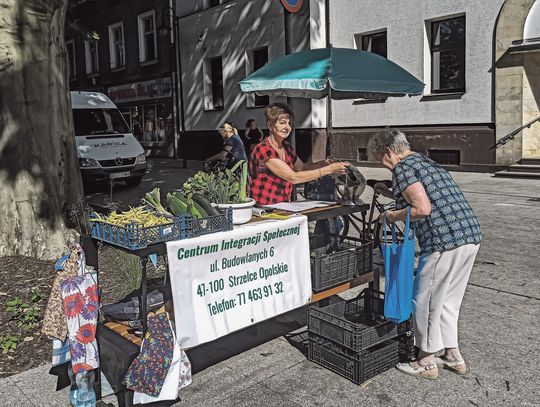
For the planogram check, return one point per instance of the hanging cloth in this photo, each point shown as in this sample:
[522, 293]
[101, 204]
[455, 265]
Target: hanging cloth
[54, 319]
[81, 304]
[178, 377]
[148, 371]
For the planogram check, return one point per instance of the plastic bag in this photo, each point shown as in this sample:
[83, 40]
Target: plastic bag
[399, 270]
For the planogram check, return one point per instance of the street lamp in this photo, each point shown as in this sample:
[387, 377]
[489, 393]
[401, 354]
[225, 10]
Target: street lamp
[169, 22]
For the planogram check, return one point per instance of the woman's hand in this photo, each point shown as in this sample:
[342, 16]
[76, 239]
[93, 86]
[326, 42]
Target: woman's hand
[390, 217]
[337, 168]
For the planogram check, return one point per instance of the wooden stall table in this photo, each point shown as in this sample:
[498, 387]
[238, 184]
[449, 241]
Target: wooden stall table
[315, 214]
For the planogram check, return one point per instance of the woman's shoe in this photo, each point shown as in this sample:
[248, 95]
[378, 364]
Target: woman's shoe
[456, 366]
[427, 372]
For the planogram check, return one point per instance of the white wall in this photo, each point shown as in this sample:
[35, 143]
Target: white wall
[406, 36]
[227, 31]
[185, 7]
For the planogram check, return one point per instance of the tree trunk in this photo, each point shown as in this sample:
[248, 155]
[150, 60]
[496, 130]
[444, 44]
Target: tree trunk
[39, 175]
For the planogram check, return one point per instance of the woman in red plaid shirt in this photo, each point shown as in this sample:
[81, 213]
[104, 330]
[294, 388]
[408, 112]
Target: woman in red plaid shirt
[274, 166]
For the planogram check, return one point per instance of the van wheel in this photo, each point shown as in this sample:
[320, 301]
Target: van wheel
[134, 182]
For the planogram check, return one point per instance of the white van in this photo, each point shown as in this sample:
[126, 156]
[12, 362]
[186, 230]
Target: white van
[106, 148]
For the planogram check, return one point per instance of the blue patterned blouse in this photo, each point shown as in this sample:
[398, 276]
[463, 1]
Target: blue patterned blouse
[452, 223]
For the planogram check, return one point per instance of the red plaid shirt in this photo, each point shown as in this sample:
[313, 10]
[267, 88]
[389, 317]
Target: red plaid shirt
[266, 187]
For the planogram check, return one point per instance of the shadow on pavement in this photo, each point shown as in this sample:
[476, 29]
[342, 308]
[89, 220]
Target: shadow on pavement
[210, 353]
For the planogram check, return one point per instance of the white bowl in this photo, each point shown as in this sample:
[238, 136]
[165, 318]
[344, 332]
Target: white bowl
[241, 212]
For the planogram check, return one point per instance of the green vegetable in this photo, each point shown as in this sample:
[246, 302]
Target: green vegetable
[177, 204]
[153, 199]
[224, 187]
[205, 204]
[197, 210]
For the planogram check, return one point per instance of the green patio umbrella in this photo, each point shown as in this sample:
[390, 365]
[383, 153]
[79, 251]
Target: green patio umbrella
[340, 73]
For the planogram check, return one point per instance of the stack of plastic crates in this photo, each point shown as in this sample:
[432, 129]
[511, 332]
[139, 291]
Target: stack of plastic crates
[352, 338]
[339, 262]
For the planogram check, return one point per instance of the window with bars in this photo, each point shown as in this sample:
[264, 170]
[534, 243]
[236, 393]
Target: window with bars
[116, 45]
[448, 55]
[147, 36]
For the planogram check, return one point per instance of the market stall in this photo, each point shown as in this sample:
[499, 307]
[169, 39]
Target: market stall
[228, 267]
[228, 280]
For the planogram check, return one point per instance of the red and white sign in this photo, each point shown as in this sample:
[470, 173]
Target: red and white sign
[133, 92]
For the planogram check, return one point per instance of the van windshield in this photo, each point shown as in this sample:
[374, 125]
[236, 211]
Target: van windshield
[89, 122]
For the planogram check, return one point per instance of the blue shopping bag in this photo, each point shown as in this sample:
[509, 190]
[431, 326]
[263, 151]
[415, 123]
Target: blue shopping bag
[399, 270]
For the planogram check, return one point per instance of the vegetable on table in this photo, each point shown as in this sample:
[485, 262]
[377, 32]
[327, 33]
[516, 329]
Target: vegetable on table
[153, 199]
[139, 215]
[224, 187]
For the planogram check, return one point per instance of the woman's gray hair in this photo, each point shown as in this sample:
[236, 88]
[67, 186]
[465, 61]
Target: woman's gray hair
[388, 138]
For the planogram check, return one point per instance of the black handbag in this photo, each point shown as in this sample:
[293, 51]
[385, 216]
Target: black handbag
[128, 308]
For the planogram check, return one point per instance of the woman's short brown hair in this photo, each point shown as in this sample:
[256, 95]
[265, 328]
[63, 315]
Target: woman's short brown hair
[273, 111]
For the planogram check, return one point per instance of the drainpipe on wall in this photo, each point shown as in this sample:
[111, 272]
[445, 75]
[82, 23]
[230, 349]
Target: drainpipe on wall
[287, 25]
[327, 22]
[180, 92]
[329, 97]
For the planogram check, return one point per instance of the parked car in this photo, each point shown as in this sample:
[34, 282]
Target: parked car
[106, 148]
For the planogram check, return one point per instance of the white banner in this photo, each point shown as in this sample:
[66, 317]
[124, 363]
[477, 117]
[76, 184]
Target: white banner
[223, 282]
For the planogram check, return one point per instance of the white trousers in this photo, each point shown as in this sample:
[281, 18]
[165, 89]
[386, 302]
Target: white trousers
[439, 287]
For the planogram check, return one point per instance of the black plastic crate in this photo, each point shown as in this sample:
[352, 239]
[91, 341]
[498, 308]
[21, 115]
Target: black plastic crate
[407, 351]
[356, 324]
[355, 366]
[352, 259]
[211, 224]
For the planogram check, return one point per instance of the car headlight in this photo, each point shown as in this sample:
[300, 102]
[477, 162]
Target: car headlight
[88, 163]
[141, 159]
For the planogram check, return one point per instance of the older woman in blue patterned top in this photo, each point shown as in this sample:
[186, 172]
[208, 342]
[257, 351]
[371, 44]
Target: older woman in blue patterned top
[449, 236]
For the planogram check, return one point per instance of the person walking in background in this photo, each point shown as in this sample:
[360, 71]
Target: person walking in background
[233, 147]
[252, 134]
[449, 236]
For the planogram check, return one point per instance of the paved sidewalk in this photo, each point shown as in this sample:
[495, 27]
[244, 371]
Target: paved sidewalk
[499, 330]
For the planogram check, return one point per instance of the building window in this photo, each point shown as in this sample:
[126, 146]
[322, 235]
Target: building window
[214, 3]
[213, 84]
[256, 59]
[448, 55]
[362, 154]
[72, 67]
[147, 36]
[150, 123]
[373, 42]
[448, 157]
[91, 51]
[116, 45]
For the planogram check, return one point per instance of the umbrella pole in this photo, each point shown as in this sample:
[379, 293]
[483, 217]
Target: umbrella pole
[329, 122]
